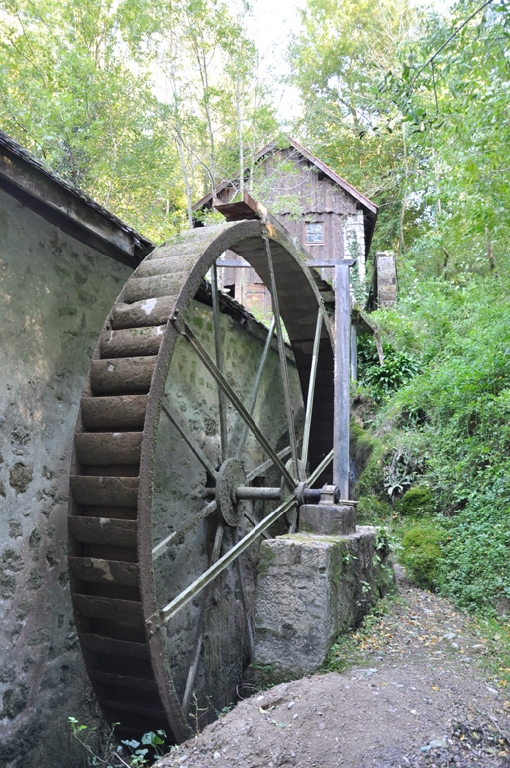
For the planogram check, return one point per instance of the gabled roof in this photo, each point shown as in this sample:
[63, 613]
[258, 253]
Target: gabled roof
[270, 148]
[22, 176]
[369, 208]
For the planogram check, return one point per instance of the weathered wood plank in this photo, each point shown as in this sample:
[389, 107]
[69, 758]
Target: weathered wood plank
[96, 569]
[120, 376]
[115, 412]
[103, 530]
[105, 491]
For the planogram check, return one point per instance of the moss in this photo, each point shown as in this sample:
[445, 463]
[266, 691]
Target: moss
[371, 509]
[367, 454]
[421, 553]
[361, 444]
[267, 558]
[264, 676]
[371, 480]
[416, 502]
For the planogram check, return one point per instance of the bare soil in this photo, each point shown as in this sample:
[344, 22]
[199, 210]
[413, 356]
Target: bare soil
[417, 696]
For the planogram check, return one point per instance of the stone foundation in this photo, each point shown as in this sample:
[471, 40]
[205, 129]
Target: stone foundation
[311, 587]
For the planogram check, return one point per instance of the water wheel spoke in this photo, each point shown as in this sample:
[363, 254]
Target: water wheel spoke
[282, 354]
[311, 390]
[199, 584]
[192, 445]
[176, 536]
[254, 523]
[219, 363]
[184, 329]
[320, 469]
[199, 634]
[266, 465]
[255, 390]
[244, 600]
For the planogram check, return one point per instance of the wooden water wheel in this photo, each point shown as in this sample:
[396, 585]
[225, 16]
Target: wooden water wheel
[197, 435]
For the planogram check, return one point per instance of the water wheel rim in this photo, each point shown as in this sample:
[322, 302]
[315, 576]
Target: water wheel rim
[197, 251]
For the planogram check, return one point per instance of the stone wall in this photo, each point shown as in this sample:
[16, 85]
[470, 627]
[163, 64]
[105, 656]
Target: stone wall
[386, 280]
[54, 296]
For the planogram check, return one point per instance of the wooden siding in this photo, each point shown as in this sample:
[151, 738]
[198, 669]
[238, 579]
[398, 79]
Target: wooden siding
[290, 183]
[296, 193]
[333, 228]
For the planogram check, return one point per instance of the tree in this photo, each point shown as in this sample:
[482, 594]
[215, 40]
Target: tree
[454, 96]
[144, 106]
[412, 108]
[72, 97]
[339, 61]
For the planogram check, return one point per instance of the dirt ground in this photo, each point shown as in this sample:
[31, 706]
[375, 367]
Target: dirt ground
[417, 696]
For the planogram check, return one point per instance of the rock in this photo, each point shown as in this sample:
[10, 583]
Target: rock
[438, 744]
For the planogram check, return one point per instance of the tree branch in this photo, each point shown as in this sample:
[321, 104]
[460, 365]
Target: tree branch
[454, 34]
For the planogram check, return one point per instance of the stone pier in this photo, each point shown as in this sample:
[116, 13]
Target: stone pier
[314, 585]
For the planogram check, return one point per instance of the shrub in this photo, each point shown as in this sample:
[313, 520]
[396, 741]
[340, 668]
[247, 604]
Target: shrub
[384, 380]
[421, 554]
[417, 501]
[371, 509]
[474, 567]
[367, 453]
[371, 480]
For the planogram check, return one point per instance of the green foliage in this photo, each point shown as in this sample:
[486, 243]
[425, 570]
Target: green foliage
[383, 380]
[421, 553]
[455, 418]
[130, 752]
[368, 453]
[362, 445]
[474, 571]
[145, 106]
[371, 509]
[410, 105]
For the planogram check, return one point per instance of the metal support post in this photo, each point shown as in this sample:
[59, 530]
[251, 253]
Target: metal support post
[342, 377]
[354, 354]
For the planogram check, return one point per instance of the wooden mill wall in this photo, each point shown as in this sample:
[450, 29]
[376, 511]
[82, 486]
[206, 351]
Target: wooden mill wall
[297, 193]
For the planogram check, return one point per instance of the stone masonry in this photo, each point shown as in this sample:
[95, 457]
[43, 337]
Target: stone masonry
[54, 296]
[312, 586]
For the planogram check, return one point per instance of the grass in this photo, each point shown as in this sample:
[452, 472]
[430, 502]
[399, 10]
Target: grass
[495, 636]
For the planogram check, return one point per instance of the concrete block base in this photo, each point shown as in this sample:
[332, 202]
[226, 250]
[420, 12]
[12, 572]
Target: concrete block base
[326, 520]
[310, 589]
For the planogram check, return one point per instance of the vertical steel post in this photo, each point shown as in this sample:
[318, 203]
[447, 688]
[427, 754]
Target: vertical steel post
[354, 354]
[342, 377]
